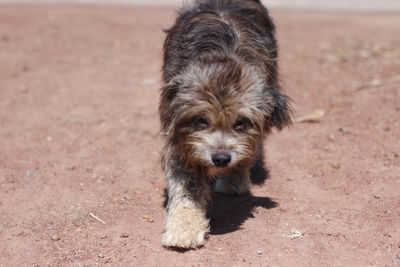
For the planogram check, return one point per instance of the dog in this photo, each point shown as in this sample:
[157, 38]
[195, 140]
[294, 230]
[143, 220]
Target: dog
[220, 99]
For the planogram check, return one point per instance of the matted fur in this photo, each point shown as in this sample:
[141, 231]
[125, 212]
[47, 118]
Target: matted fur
[219, 100]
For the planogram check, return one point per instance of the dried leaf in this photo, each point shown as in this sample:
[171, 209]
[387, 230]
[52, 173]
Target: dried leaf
[313, 117]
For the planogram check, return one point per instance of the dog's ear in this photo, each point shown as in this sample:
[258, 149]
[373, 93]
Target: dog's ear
[280, 116]
[165, 109]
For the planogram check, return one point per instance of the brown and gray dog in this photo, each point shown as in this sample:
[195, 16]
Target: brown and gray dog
[220, 99]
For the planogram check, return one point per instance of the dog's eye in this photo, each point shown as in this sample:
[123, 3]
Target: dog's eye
[201, 124]
[241, 124]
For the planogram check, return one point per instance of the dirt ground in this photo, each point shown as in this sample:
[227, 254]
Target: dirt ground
[80, 180]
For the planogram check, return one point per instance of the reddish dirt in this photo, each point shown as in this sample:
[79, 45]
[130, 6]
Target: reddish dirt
[79, 135]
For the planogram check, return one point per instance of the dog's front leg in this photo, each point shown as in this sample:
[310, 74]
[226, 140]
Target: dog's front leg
[187, 224]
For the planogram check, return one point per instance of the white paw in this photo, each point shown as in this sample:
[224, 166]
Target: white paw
[186, 227]
[183, 238]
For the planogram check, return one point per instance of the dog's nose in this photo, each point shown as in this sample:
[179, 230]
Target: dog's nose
[221, 159]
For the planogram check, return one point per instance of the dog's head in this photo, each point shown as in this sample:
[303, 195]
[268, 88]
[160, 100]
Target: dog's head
[217, 112]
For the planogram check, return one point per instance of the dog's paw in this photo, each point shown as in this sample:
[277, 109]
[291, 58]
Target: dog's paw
[184, 238]
[231, 189]
[188, 235]
[186, 229]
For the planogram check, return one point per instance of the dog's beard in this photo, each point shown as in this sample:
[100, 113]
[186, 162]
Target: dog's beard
[199, 148]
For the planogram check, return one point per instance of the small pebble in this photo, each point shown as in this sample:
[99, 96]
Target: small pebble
[364, 54]
[72, 168]
[148, 218]
[376, 82]
[259, 252]
[54, 237]
[335, 165]
[23, 88]
[296, 234]
[19, 233]
[124, 235]
[309, 175]
[398, 256]
[31, 174]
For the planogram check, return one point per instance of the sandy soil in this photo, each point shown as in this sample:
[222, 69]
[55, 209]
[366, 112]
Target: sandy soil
[79, 137]
[360, 5]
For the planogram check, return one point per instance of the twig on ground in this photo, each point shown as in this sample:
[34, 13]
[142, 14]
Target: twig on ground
[378, 83]
[96, 218]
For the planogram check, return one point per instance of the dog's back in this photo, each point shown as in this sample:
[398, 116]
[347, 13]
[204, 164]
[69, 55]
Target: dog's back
[238, 28]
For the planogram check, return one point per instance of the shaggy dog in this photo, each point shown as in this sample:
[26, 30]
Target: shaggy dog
[220, 99]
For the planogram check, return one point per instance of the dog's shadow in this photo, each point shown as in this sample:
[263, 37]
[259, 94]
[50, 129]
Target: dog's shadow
[227, 213]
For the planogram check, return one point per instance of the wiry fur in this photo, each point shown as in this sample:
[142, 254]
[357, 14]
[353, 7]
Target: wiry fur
[220, 95]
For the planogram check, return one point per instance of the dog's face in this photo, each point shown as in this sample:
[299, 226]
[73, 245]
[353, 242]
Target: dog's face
[217, 113]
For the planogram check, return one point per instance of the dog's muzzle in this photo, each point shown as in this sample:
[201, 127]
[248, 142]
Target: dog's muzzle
[221, 159]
